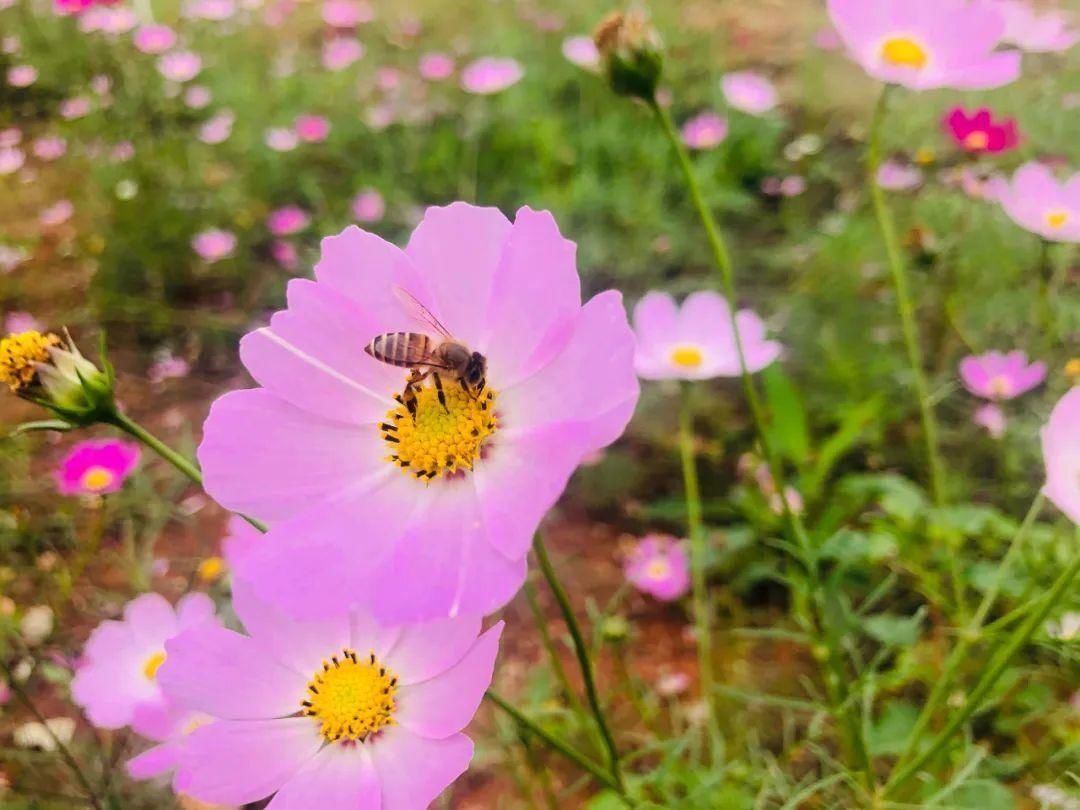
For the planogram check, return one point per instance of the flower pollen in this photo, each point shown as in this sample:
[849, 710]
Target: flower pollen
[687, 356]
[20, 355]
[1057, 218]
[97, 478]
[977, 141]
[153, 664]
[439, 440]
[351, 697]
[904, 51]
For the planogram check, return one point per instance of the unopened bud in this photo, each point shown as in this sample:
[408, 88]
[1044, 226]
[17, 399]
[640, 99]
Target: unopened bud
[631, 52]
[615, 629]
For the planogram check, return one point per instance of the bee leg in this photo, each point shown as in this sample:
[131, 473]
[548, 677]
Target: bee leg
[439, 390]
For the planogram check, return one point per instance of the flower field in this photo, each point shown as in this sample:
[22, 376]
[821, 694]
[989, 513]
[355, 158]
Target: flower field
[520, 404]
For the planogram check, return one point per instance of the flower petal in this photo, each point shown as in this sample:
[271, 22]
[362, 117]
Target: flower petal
[423, 651]
[337, 777]
[414, 770]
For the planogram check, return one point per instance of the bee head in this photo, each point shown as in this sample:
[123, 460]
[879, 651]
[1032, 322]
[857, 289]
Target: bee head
[476, 369]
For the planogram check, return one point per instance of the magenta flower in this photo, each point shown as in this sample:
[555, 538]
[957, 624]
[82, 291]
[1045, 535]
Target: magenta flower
[356, 488]
[927, 44]
[979, 132]
[436, 67]
[341, 52]
[116, 683]
[660, 567]
[154, 39]
[311, 128]
[1061, 454]
[214, 245]
[896, 176]
[1038, 32]
[704, 131]
[991, 416]
[22, 75]
[696, 342]
[48, 147]
[750, 92]
[490, 75]
[999, 376]
[1036, 201]
[368, 206]
[180, 66]
[287, 220]
[96, 467]
[337, 712]
[346, 13]
[581, 51]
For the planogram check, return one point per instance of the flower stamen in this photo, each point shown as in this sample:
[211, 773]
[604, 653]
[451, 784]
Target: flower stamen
[20, 355]
[153, 664]
[1058, 218]
[687, 356]
[903, 51]
[351, 697]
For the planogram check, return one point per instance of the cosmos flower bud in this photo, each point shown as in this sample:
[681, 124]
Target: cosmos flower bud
[631, 53]
[52, 372]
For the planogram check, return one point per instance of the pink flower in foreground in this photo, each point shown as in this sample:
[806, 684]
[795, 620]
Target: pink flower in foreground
[116, 684]
[1036, 201]
[180, 66]
[280, 139]
[357, 490]
[660, 567]
[368, 206]
[750, 92]
[214, 245]
[48, 147]
[927, 44]
[96, 467]
[896, 176]
[311, 128]
[696, 342]
[704, 131]
[287, 220]
[22, 75]
[999, 376]
[581, 51]
[57, 214]
[436, 67]
[1044, 31]
[1061, 454]
[154, 39]
[346, 13]
[490, 75]
[979, 132]
[991, 416]
[335, 713]
[341, 52]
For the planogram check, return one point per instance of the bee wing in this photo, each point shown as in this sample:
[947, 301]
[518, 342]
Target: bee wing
[419, 312]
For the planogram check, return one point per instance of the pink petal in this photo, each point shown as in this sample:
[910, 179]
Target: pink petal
[424, 651]
[160, 759]
[150, 618]
[338, 776]
[414, 770]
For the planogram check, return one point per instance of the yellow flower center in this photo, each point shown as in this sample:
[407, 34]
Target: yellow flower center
[1001, 386]
[211, 569]
[977, 141]
[1072, 368]
[19, 356]
[687, 356]
[1058, 218]
[658, 569]
[96, 479]
[924, 156]
[351, 697]
[904, 52]
[153, 664]
[439, 440]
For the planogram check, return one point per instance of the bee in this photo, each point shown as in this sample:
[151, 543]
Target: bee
[429, 356]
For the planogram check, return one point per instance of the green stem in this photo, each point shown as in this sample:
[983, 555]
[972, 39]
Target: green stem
[904, 300]
[549, 645]
[554, 743]
[702, 608]
[970, 635]
[999, 661]
[582, 653]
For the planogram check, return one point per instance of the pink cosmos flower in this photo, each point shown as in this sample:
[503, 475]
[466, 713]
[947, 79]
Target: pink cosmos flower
[311, 128]
[749, 91]
[581, 51]
[214, 245]
[18, 321]
[387, 78]
[338, 712]
[696, 342]
[490, 75]
[896, 176]
[212, 10]
[154, 39]
[999, 376]
[704, 131]
[101, 84]
[22, 75]
[979, 132]
[280, 139]
[284, 253]
[1036, 201]
[341, 52]
[991, 416]
[660, 567]
[11, 160]
[355, 488]
[218, 128]
[123, 151]
[48, 147]
[792, 186]
[1039, 32]
[436, 67]
[118, 20]
[73, 108]
[117, 684]
[169, 727]
[197, 97]
[57, 214]
[180, 66]
[346, 13]
[927, 44]
[168, 367]
[368, 206]
[287, 220]
[96, 467]
[1061, 454]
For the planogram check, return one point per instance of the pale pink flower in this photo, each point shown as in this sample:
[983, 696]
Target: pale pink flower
[991, 416]
[154, 38]
[997, 376]
[311, 128]
[581, 51]
[341, 52]
[489, 75]
[167, 367]
[285, 254]
[1036, 31]
[214, 245]
[387, 78]
[123, 151]
[48, 147]
[659, 566]
[197, 96]
[101, 84]
[749, 92]
[119, 20]
[16, 322]
[57, 214]
[10, 44]
[368, 206]
[213, 10]
[73, 108]
[896, 176]
[347, 13]
[11, 160]
[793, 497]
[927, 44]
[180, 66]
[12, 136]
[1036, 201]
[436, 67]
[280, 139]
[11, 256]
[704, 131]
[287, 220]
[671, 684]
[218, 128]
[22, 75]
[792, 186]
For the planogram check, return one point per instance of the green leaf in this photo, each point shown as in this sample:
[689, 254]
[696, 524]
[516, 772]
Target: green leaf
[847, 435]
[981, 794]
[788, 428]
[894, 631]
[888, 736]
